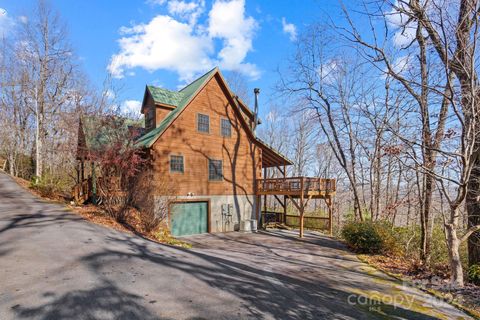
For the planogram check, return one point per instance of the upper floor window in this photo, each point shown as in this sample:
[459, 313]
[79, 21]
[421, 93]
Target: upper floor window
[149, 117]
[203, 123]
[176, 164]
[215, 170]
[226, 127]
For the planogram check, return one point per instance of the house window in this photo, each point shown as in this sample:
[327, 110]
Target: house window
[215, 170]
[176, 164]
[150, 117]
[226, 128]
[203, 123]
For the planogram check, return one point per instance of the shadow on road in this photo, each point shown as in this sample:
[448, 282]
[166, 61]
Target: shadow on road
[262, 290]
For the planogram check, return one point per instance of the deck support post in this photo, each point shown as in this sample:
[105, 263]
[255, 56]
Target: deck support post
[258, 208]
[301, 222]
[330, 215]
[284, 197]
[265, 196]
[82, 169]
[302, 207]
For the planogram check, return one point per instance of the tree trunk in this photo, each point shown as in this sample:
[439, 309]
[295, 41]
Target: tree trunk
[454, 254]
[426, 223]
[473, 209]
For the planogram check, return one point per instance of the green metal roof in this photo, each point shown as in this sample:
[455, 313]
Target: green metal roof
[165, 96]
[181, 99]
[98, 132]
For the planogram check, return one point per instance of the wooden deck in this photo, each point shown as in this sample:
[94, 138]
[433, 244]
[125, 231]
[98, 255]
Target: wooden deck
[297, 187]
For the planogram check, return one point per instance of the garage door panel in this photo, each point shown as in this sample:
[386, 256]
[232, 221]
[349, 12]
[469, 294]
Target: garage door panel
[189, 218]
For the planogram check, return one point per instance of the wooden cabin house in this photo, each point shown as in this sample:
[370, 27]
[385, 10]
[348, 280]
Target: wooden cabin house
[208, 166]
[205, 155]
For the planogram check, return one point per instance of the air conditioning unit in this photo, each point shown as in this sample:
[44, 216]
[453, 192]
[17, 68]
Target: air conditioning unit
[248, 225]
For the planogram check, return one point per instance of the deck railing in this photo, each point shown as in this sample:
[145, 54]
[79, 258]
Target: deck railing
[291, 220]
[296, 184]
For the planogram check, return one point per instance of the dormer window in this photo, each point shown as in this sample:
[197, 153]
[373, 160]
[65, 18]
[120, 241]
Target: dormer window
[149, 118]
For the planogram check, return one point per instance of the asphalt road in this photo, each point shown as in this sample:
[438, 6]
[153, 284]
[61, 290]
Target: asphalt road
[54, 265]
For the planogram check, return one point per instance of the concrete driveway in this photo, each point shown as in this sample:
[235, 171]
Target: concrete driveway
[54, 265]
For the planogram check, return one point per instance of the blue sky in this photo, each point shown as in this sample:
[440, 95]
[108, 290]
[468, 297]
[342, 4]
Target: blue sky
[170, 42]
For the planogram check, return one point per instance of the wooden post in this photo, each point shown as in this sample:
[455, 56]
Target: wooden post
[264, 196]
[257, 209]
[284, 197]
[94, 184]
[302, 208]
[82, 167]
[301, 219]
[330, 214]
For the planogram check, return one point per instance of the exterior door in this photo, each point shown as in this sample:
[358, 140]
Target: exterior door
[187, 218]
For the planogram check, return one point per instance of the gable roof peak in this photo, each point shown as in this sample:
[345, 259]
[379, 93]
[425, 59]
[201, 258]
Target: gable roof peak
[177, 98]
[185, 96]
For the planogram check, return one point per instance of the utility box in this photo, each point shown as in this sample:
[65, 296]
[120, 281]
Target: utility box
[248, 225]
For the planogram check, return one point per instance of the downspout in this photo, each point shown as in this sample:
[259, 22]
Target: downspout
[258, 206]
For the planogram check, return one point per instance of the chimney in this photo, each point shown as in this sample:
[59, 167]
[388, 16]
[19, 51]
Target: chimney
[256, 91]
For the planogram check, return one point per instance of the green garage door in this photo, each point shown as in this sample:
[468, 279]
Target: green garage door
[189, 218]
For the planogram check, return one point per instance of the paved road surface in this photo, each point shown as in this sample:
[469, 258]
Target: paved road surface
[54, 265]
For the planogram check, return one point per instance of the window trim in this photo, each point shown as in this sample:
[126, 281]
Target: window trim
[170, 163]
[221, 127]
[198, 127]
[208, 170]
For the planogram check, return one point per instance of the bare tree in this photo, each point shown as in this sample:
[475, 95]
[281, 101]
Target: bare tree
[302, 140]
[47, 58]
[333, 86]
[433, 29]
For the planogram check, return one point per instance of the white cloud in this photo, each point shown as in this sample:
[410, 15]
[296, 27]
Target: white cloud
[290, 29]
[227, 21]
[131, 107]
[179, 43]
[405, 29]
[328, 70]
[6, 23]
[163, 43]
[158, 2]
[189, 11]
[23, 19]
[401, 64]
[404, 37]
[109, 94]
